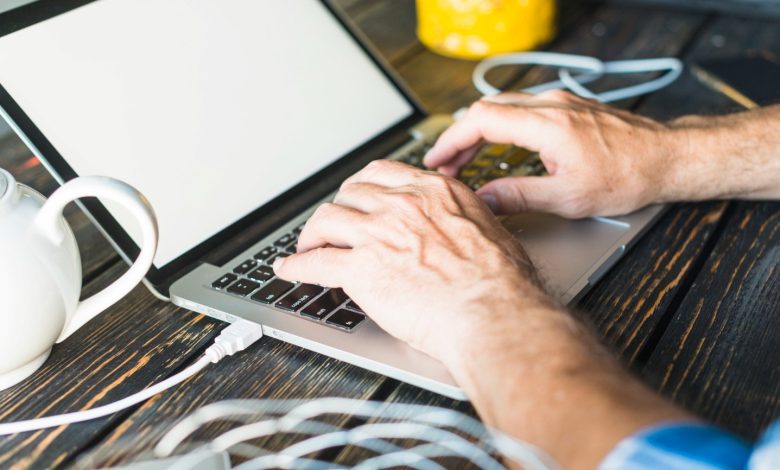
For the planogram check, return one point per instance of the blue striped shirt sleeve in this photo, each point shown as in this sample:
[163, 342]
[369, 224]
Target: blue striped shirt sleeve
[690, 446]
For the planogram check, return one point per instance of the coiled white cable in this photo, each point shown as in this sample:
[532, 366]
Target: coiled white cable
[586, 69]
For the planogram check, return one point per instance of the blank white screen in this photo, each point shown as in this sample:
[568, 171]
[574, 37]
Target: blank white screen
[210, 108]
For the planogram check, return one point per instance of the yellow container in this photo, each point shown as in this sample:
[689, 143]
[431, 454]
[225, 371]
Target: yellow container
[473, 29]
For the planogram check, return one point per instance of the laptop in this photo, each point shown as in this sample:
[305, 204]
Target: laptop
[237, 119]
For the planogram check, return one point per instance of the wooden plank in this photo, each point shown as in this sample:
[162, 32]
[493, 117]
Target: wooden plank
[629, 304]
[719, 356]
[389, 25]
[749, 8]
[132, 345]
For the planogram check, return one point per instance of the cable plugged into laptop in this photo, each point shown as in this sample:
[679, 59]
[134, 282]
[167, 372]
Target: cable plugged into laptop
[238, 336]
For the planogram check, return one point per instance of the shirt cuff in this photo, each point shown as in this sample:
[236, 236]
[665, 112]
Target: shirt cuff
[672, 446]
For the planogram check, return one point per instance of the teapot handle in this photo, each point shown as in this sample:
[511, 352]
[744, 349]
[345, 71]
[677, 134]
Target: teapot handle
[48, 223]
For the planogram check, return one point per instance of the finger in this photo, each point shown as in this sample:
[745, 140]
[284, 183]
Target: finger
[491, 122]
[332, 225]
[360, 196]
[328, 267]
[453, 167]
[523, 194]
[510, 97]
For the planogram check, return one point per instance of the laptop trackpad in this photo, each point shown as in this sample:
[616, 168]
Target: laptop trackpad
[564, 250]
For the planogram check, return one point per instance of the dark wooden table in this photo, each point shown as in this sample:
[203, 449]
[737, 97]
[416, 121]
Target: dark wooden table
[693, 308]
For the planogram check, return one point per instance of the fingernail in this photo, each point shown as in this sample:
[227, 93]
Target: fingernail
[278, 264]
[490, 200]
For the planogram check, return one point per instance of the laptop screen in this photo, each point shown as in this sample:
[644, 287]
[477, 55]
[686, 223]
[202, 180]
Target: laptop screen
[209, 108]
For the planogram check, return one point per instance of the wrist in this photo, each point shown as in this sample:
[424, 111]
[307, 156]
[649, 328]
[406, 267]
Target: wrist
[719, 157]
[529, 337]
[688, 172]
[540, 373]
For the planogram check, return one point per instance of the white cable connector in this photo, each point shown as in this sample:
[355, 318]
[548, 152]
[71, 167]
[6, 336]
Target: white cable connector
[236, 337]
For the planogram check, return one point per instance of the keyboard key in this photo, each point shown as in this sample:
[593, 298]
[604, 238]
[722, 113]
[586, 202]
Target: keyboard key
[469, 172]
[297, 230]
[325, 304]
[292, 248]
[245, 267]
[517, 157]
[270, 262]
[224, 281]
[243, 287]
[415, 160]
[272, 291]
[285, 240]
[482, 162]
[265, 252]
[296, 299]
[352, 305]
[496, 173]
[478, 183]
[495, 150]
[261, 274]
[345, 319]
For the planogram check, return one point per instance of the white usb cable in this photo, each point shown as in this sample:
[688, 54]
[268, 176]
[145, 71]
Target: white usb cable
[236, 337]
[586, 69]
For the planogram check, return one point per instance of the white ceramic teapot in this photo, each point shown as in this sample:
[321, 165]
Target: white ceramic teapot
[40, 269]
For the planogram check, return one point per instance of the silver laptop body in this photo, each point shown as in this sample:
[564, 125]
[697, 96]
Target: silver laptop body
[62, 120]
[570, 255]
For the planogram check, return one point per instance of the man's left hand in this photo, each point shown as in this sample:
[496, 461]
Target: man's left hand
[419, 252]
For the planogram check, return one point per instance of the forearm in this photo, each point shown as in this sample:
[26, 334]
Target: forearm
[540, 376]
[733, 156]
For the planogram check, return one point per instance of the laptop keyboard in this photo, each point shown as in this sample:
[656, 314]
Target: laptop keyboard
[254, 279]
[491, 162]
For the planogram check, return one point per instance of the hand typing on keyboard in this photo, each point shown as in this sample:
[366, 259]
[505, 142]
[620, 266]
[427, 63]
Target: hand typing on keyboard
[601, 160]
[412, 248]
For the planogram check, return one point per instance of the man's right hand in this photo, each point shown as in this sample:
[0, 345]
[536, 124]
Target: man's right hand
[604, 161]
[600, 160]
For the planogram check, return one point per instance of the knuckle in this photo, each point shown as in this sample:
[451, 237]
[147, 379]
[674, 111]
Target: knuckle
[347, 187]
[436, 181]
[409, 201]
[479, 107]
[323, 211]
[560, 96]
[564, 118]
[377, 166]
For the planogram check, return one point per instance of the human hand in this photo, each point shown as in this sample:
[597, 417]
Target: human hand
[419, 252]
[600, 160]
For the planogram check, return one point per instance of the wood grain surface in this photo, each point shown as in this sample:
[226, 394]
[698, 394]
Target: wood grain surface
[690, 307]
[718, 355]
